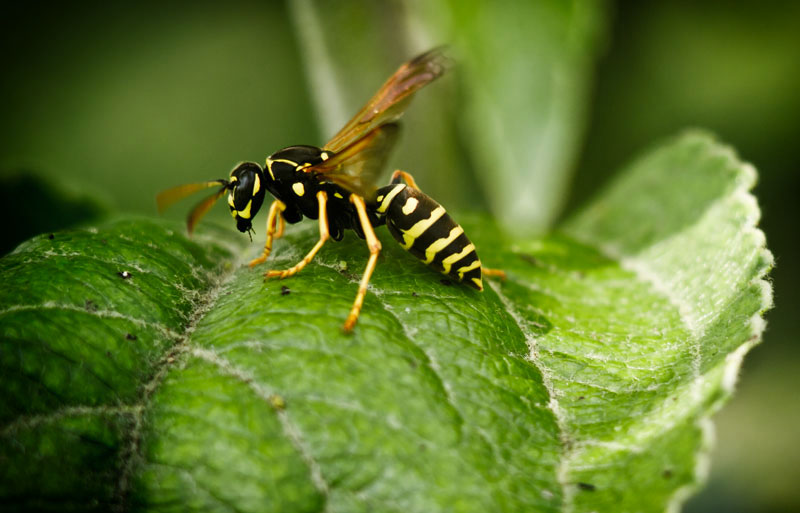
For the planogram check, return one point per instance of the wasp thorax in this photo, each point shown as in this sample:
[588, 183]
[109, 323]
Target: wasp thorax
[247, 193]
[283, 165]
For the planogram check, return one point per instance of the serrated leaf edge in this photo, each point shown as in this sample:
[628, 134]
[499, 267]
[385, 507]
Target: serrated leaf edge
[742, 195]
[733, 361]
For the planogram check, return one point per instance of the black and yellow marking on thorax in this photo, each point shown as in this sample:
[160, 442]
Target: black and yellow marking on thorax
[287, 167]
[425, 230]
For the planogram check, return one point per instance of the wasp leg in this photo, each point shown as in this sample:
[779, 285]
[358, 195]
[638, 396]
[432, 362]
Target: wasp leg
[281, 226]
[275, 215]
[398, 174]
[374, 246]
[485, 271]
[322, 199]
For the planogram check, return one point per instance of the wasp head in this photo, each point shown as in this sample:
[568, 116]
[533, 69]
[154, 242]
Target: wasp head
[247, 194]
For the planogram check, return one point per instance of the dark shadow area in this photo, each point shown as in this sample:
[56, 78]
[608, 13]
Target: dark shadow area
[30, 205]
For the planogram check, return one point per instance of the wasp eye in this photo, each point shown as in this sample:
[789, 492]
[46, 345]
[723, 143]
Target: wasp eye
[245, 183]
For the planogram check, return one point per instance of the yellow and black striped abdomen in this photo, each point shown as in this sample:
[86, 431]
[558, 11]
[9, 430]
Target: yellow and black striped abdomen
[424, 228]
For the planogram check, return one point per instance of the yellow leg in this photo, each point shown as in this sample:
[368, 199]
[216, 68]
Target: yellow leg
[275, 215]
[374, 246]
[281, 226]
[406, 177]
[485, 271]
[322, 199]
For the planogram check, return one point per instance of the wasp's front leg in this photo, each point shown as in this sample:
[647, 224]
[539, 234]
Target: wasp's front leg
[324, 235]
[275, 227]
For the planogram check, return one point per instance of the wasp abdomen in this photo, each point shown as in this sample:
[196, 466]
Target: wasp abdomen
[425, 230]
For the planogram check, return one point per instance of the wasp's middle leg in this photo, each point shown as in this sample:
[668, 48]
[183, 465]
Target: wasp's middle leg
[374, 246]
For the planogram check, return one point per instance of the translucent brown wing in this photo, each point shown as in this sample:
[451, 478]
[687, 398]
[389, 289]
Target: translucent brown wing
[391, 99]
[357, 166]
[170, 196]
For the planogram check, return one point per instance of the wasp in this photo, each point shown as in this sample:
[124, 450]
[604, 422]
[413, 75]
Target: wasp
[336, 184]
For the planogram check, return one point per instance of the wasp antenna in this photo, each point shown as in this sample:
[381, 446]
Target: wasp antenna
[436, 59]
[166, 198]
[204, 206]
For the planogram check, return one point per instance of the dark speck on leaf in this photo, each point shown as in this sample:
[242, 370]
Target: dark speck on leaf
[445, 281]
[108, 353]
[581, 398]
[285, 291]
[415, 294]
[90, 305]
[587, 486]
[130, 336]
[667, 473]
[51, 236]
[124, 275]
[530, 259]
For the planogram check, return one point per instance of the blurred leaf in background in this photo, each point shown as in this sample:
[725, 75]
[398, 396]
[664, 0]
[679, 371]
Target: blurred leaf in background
[521, 79]
[46, 208]
[525, 74]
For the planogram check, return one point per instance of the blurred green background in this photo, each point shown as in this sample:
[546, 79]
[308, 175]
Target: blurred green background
[114, 102]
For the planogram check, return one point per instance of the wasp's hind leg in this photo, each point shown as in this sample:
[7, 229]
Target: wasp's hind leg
[275, 226]
[324, 235]
[398, 175]
[498, 273]
[374, 249]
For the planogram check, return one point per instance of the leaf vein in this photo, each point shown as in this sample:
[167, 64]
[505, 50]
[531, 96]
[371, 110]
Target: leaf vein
[34, 421]
[553, 404]
[130, 456]
[103, 314]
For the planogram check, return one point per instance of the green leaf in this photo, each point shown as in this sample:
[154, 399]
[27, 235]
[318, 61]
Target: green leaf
[584, 382]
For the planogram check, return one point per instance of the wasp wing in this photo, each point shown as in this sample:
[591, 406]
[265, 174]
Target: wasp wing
[170, 196]
[356, 167]
[391, 99]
